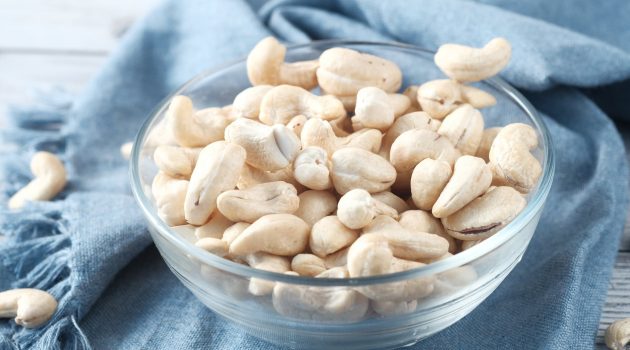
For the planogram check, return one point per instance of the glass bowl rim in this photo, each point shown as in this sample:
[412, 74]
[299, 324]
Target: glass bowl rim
[462, 258]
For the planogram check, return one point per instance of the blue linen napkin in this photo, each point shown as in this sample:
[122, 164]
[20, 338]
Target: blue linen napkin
[90, 248]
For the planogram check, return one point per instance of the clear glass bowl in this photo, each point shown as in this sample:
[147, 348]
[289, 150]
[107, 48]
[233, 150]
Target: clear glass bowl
[466, 279]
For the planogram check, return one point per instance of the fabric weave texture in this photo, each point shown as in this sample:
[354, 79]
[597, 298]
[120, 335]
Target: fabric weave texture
[90, 247]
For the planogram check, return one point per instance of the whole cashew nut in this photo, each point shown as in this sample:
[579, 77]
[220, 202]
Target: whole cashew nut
[284, 102]
[343, 72]
[487, 138]
[30, 307]
[176, 161]
[415, 145]
[247, 103]
[471, 178]
[217, 170]
[296, 124]
[414, 120]
[215, 227]
[464, 128]
[267, 147]
[357, 209]
[257, 201]
[376, 109]
[192, 129]
[469, 244]
[391, 200]
[440, 97]
[391, 308]
[354, 168]
[468, 64]
[427, 182]
[329, 235]
[308, 265]
[170, 195]
[278, 234]
[510, 158]
[422, 221]
[319, 133]
[339, 304]
[315, 205]
[214, 246]
[251, 176]
[265, 65]
[485, 215]
[406, 244]
[337, 259]
[412, 94]
[618, 334]
[267, 262]
[311, 168]
[50, 179]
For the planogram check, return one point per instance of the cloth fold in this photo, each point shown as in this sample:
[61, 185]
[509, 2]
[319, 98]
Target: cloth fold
[89, 247]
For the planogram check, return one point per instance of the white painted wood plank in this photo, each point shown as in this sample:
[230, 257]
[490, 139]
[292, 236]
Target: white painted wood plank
[66, 25]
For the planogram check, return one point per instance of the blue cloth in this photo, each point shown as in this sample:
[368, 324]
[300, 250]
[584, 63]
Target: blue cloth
[90, 247]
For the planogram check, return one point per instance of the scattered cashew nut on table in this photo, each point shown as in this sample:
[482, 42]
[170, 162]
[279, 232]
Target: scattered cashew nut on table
[50, 179]
[353, 180]
[31, 308]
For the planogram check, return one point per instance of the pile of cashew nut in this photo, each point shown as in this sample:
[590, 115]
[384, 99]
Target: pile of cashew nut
[358, 181]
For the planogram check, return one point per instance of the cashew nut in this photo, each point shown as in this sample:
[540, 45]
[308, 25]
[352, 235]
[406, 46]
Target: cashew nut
[251, 176]
[265, 65]
[217, 170]
[308, 265]
[329, 235]
[215, 227]
[357, 208]
[315, 205]
[337, 259]
[257, 201]
[469, 244]
[317, 132]
[357, 168]
[391, 200]
[618, 334]
[343, 72]
[440, 97]
[422, 221]
[468, 64]
[339, 304]
[278, 234]
[341, 126]
[412, 94]
[487, 138]
[50, 179]
[392, 308]
[267, 262]
[454, 280]
[376, 109]
[415, 120]
[415, 145]
[267, 147]
[247, 103]
[510, 158]
[212, 245]
[296, 124]
[192, 129]
[406, 244]
[170, 195]
[471, 178]
[311, 168]
[485, 215]
[284, 102]
[464, 128]
[427, 182]
[230, 233]
[30, 307]
[176, 161]
[186, 231]
[125, 150]
[369, 255]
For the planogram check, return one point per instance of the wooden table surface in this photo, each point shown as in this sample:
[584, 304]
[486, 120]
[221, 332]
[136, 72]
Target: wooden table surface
[46, 43]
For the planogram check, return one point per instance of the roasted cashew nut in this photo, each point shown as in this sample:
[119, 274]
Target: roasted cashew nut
[192, 129]
[30, 307]
[356, 168]
[176, 161]
[471, 178]
[257, 201]
[468, 64]
[267, 147]
[265, 65]
[311, 168]
[357, 209]
[330, 235]
[50, 179]
[485, 215]
[440, 97]
[218, 167]
[284, 102]
[510, 158]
